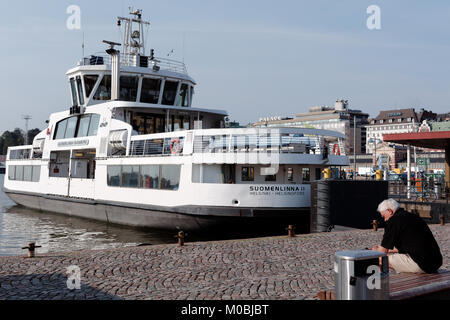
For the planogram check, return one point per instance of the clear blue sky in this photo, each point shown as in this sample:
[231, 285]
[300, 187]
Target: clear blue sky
[252, 58]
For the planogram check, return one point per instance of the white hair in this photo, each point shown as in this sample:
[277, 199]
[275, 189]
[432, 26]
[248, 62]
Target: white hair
[388, 204]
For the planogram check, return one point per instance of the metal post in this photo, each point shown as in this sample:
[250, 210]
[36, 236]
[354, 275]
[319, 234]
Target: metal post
[354, 147]
[408, 166]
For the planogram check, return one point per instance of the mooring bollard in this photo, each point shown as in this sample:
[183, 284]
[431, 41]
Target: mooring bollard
[375, 225]
[31, 248]
[291, 231]
[181, 235]
[442, 217]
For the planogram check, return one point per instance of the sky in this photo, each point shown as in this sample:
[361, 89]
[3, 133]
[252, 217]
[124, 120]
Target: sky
[253, 58]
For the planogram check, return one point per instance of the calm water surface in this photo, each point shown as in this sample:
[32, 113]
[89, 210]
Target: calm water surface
[57, 232]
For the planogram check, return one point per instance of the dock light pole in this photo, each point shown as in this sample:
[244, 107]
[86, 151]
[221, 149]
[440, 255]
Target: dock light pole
[27, 118]
[354, 147]
[374, 141]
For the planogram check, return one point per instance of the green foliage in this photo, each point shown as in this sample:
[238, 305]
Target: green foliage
[15, 138]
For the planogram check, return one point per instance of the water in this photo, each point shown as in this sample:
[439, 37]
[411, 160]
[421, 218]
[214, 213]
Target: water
[59, 233]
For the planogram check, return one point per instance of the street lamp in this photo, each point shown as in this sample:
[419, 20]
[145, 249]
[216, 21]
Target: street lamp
[375, 141]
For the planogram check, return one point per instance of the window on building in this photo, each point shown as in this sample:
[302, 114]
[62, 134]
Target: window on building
[104, 89]
[150, 90]
[247, 174]
[170, 90]
[128, 88]
[89, 83]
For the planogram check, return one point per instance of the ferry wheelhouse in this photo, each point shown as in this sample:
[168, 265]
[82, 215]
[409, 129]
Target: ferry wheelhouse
[133, 150]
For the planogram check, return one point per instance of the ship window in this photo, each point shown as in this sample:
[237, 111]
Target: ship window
[290, 174]
[128, 88]
[247, 174]
[80, 90]
[271, 177]
[93, 125]
[74, 92]
[306, 176]
[19, 173]
[170, 90]
[36, 174]
[150, 90]
[12, 172]
[130, 176]
[182, 98]
[114, 176]
[27, 173]
[89, 83]
[61, 129]
[71, 127]
[83, 127]
[170, 177]
[104, 89]
[150, 177]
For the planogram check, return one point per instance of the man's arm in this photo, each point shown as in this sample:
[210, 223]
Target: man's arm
[384, 250]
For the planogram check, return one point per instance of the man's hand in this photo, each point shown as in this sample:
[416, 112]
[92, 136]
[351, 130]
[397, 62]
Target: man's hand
[380, 249]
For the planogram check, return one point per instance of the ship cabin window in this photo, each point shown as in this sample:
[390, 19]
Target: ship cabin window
[59, 164]
[163, 177]
[306, 177]
[128, 88]
[182, 97]
[73, 89]
[104, 89]
[318, 173]
[247, 174]
[150, 90]
[77, 126]
[83, 164]
[169, 93]
[80, 91]
[24, 173]
[271, 177]
[130, 177]
[290, 174]
[89, 83]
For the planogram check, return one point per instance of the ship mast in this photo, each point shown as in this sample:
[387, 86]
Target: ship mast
[134, 42]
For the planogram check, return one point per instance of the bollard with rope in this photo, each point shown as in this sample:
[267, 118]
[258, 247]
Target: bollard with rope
[181, 236]
[291, 231]
[375, 225]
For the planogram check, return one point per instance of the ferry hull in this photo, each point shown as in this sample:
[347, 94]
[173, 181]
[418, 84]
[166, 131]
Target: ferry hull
[206, 219]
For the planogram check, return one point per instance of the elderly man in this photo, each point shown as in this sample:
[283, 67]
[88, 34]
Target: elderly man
[408, 241]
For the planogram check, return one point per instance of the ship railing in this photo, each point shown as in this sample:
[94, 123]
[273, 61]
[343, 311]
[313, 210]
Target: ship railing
[268, 141]
[131, 60]
[251, 140]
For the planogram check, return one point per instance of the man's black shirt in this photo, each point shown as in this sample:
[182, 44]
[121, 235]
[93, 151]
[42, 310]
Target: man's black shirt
[411, 235]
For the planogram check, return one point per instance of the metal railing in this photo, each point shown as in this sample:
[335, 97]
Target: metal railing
[421, 190]
[136, 61]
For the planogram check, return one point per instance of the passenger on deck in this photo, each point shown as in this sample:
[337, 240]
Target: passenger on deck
[408, 241]
[135, 131]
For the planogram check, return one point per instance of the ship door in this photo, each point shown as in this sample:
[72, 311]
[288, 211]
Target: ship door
[58, 173]
[82, 174]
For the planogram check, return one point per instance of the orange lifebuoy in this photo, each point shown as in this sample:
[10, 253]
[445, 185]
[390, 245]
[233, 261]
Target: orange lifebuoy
[175, 146]
[338, 151]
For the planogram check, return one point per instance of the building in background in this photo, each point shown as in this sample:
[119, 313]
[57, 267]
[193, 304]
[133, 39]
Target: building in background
[338, 118]
[395, 121]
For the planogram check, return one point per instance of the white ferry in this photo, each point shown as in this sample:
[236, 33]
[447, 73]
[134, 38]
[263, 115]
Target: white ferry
[133, 150]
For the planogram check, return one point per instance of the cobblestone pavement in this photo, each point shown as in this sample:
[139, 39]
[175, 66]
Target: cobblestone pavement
[263, 268]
